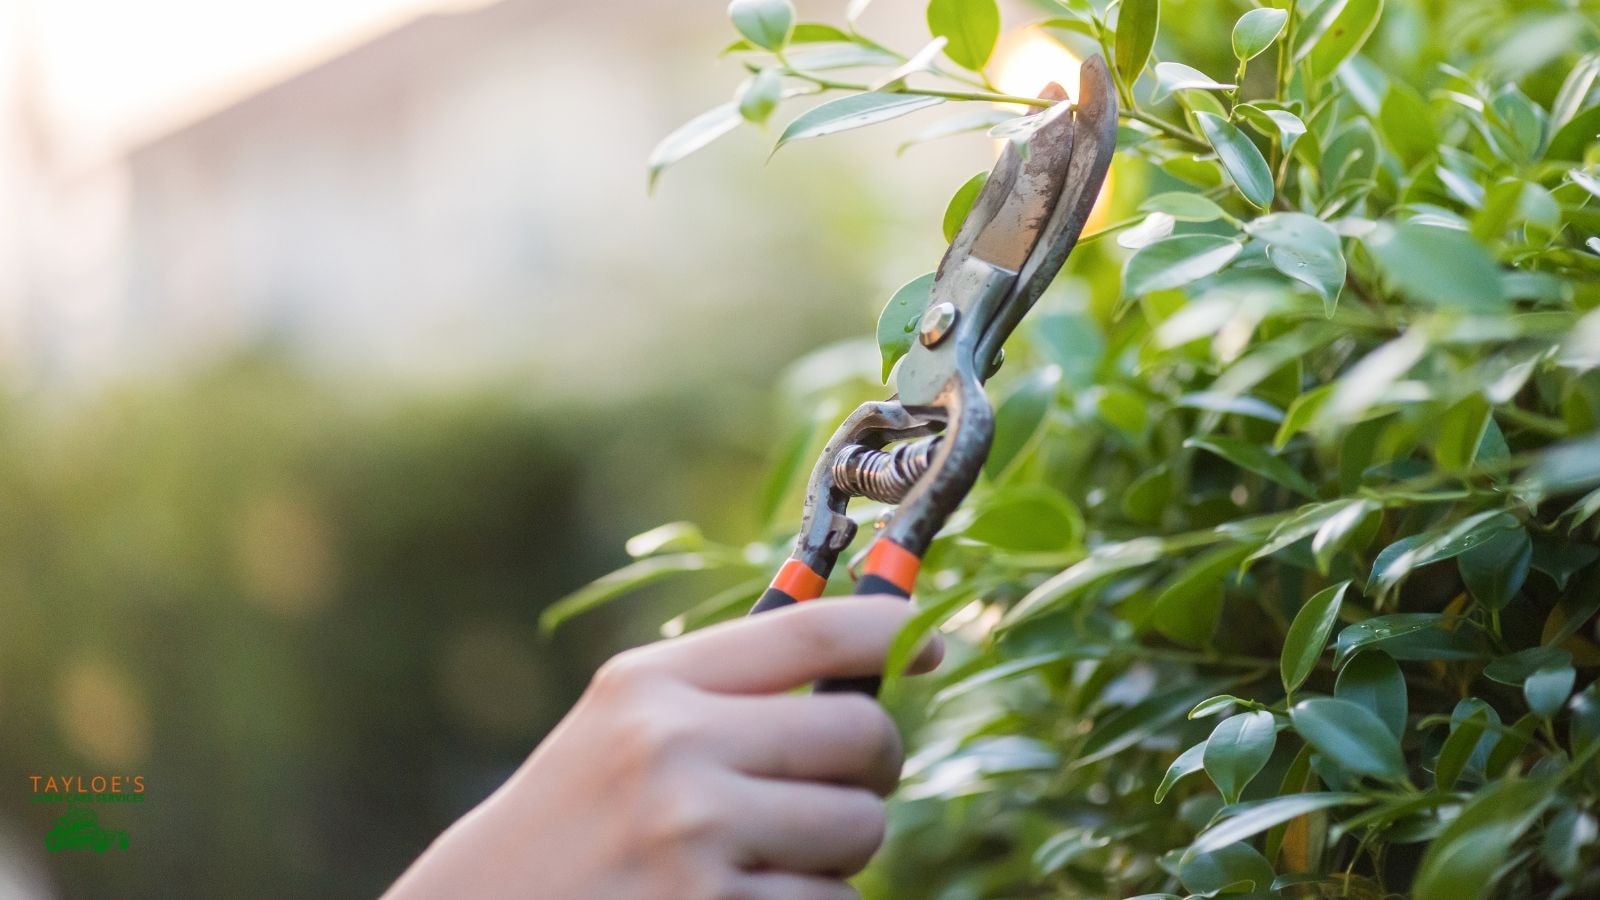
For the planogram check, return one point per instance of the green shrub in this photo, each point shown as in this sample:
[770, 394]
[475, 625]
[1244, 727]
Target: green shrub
[1282, 575]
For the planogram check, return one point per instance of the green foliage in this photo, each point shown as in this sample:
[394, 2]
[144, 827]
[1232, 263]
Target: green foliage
[1320, 429]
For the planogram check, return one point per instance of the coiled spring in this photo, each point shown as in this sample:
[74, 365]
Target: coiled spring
[883, 475]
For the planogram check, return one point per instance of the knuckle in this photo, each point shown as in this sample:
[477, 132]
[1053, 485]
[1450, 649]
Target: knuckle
[812, 627]
[682, 817]
[646, 738]
[622, 675]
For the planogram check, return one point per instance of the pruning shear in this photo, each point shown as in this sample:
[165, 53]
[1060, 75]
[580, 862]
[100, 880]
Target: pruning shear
[923, 448]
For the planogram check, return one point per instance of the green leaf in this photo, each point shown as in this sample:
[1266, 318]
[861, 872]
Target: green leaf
[1172, 77]
[908, 641]
[1440, 266]
[804, 33]
[1256, 30]
[1458, 749]
[1228, 404]
[1337, 531]
[1463, 861]
[1302, 412]
[822, 57]
[1562, 559]
[1019, 417]
[1574, 90]
[673, 537]
[1308, 636]
[759, 95]
[1460, 433]
[1515, 668]
[1177, 261]
[1137, 23]
[971, 26]
[1272, 122]
[1184, 206]
[1235, 867]
[1567, 467]
[1407, 124]
[1342, 26]
[624, 580]
[1404, 636]
[1565, 837]
[1154, 228]
[1246, 820]
[1373, 680]
[897, 325]
[1188, 762]
[1188, 608]
[1214, 705]
[854, 111]
[1306, 249]
[1238, 749]
[1497, 568]
[1349, 736]
[765, 23]
[1410, 553]
[1063, 587]
[1002, 672]
[1575, 137]
[1132, 725]
[955, 215]
[1146, 498]
[1032, 518]
[1547, 690]
[691, 136]
[975, 120]
[1243, 162]
[1253, 457]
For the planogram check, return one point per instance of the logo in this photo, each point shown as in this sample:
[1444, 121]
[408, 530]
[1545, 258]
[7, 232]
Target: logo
[80, 829]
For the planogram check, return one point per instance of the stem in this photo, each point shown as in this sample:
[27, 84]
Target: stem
[981, 96]
[1533, 421]
[1167, 128]
[1285, 50]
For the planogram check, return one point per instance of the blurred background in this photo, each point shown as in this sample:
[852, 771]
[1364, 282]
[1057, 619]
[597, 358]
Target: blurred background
[340, 337]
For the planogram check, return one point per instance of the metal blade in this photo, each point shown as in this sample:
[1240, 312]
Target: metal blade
[1013, 231]
[996, 218]
[1094, 141]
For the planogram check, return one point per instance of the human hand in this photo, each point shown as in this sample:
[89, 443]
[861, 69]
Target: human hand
[687, 771]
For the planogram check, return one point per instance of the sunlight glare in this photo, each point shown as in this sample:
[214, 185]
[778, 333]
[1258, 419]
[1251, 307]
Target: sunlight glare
[1026, 61]
[1029, 59]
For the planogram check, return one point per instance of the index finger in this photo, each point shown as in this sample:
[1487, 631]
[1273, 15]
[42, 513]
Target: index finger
[781, 650]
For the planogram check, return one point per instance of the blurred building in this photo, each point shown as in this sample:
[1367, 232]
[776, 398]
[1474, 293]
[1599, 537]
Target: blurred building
[461, 198]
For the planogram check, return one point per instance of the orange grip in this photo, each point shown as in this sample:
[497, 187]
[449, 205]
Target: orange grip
[893, 563]
[798, 581]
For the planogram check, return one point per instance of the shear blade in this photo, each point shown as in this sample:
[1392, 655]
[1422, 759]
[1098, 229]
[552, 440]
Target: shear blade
[1010, 235]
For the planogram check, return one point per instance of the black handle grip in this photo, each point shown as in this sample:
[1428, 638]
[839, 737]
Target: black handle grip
[772, 599]
[869, 584]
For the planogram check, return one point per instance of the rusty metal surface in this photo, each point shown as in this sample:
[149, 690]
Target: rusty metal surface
[1012, 244]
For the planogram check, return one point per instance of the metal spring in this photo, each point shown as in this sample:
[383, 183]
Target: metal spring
[883, 475]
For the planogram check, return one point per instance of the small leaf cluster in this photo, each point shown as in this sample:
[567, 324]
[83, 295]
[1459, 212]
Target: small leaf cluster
[1284, 572]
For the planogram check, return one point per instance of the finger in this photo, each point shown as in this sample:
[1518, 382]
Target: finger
[839, 738]
[778, 651]
[789, 886]
[817, 829]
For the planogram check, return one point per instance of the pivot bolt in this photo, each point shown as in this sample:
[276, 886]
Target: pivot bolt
[936, 323]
